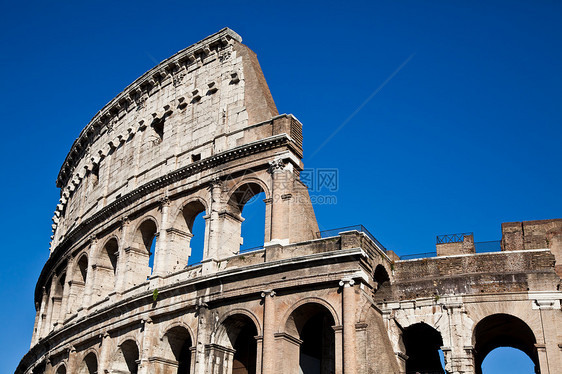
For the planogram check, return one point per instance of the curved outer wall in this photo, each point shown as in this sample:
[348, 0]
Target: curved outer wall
[200, 134]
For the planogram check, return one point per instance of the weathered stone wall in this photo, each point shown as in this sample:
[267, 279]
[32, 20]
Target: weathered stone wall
[200, 134]
[534, 235]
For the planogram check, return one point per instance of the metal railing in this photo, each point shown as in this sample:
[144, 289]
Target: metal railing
[452, 238]
[360, 228]
[415, 256]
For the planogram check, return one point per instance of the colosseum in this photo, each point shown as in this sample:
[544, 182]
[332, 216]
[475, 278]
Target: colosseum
[200, 133]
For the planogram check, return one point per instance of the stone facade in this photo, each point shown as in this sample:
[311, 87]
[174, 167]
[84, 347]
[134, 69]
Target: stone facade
[200, 133]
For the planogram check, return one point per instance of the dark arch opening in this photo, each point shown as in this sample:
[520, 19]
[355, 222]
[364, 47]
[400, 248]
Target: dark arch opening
[179, 342]
[39, 369]
[130, 353]
[83, 268]
[380, 276]
[61, 370]
[110, 254]
[503, 330]
[313, 324]
[422, 343]
[241, 333]
[89, 365]
[145, 241]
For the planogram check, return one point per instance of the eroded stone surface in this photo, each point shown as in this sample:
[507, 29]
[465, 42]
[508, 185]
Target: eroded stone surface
[200, 133]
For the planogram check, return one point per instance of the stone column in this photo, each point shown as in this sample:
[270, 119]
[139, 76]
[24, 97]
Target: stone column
[104, 361]
[72, 363]
[268, 355]
[144, 349]
[338, 349]
[202, 338]
[42, 316]
[458, 355]
[69, 294]
[280, 191]
[259, 353]
[212, 221]
[120, 274]
[549, 349]
[348, 313]
[90, 276]
[161, 249]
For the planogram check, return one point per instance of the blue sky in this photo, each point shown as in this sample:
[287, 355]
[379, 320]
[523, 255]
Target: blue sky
[466, 135]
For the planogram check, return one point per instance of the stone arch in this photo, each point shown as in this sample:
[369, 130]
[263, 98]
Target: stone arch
[236, 342]
[106, 266]
[316, 300]
[422, 343]
[40, 368]
[502, 330]
[89, 364]
[236, 198]
[380, 276]
[245, 312]
[125, 359]
[61, 369]
[176, 346]
[246, 180]
[57, 296]
[81, 268]
[308, 340]
[140, 256]
[179, 238]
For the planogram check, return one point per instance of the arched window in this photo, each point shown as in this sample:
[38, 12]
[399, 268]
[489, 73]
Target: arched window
[106, 268]
[503, 330]
[253, 227]
[380, 276]
[39, 369]
[246, 222]
[238, 333]
[423, 347]
[188, 235]
[141, 255]
[61, 369]
[177, 347]
[311, 324]
[57, 310]
[83, 268]
[79, 283]
[126, 360]
[89, 365]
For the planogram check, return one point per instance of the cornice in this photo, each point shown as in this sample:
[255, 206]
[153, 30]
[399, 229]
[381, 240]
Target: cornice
[177, 175]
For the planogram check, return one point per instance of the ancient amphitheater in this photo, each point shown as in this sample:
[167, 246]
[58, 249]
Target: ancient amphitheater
[200, 133]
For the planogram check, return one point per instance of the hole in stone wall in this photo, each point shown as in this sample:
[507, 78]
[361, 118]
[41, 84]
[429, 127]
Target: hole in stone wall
[502, 330]
[507, 360]
[253, 227]
[197, 242]
[89, 365]
[158, 126]
[196, 157]
[422, 343]
[95, 175]
[179, 342]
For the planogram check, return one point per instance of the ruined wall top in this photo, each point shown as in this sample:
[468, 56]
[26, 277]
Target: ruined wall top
[198, 103]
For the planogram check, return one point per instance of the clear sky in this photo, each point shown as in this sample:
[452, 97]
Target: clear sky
[449, 111]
